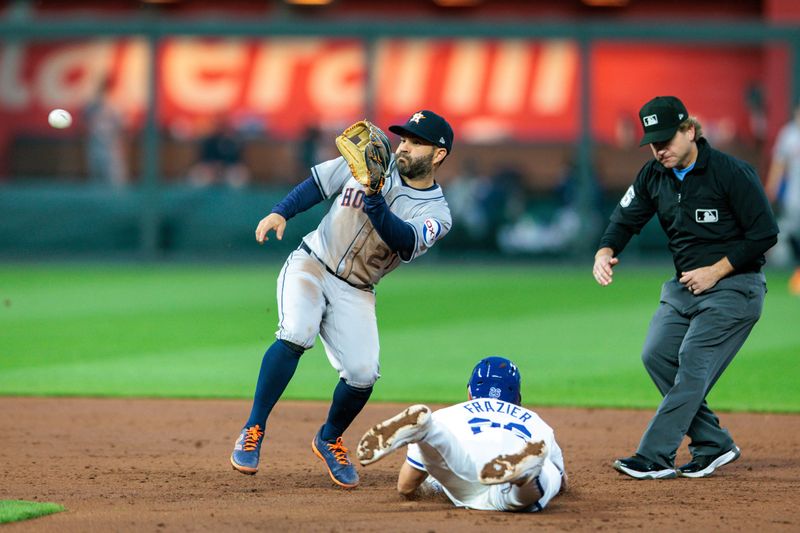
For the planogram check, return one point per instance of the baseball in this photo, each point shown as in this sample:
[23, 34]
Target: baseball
[59, 118]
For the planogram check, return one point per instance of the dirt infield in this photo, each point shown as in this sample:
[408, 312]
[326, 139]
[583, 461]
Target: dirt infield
[157, 465]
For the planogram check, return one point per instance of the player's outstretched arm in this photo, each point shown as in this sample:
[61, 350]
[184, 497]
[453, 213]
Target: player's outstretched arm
[273, 221]
[604, 262]
[409, 480]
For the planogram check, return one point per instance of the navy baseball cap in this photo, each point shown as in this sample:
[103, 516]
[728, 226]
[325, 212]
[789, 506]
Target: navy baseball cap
[428, 126]
[661, 118]
[495, 377]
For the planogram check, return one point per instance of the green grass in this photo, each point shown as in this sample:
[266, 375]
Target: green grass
[200, 331]
[16, 510]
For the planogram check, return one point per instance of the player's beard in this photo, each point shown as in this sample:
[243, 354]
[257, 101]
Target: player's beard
[416, 169]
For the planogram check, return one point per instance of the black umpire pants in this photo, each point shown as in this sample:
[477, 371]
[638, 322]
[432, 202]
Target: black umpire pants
[691, 341]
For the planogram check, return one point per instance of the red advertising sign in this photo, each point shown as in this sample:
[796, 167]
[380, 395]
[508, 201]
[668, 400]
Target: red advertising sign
[488, 89]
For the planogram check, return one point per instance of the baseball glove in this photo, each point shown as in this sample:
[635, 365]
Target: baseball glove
[367, 151]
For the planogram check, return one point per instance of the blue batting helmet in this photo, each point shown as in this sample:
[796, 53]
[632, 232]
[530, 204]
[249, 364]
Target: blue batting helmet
[495, 377]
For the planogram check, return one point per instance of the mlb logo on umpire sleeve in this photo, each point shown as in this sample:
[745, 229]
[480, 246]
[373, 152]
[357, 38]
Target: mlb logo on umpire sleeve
[704, 216]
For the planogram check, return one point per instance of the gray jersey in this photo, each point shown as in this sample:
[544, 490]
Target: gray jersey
[345, 239]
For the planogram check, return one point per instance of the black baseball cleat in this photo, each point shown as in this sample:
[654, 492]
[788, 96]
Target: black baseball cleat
[639, 467]
[704, 465]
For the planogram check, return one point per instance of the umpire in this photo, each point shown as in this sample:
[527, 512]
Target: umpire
[719, 224]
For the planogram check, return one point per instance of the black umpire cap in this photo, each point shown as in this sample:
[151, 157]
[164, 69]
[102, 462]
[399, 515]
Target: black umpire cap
[428, 126]
[661, 118]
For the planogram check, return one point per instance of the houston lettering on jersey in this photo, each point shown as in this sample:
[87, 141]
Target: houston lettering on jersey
[352, 198]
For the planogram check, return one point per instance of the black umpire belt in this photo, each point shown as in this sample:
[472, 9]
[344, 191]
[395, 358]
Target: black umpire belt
[304, 246]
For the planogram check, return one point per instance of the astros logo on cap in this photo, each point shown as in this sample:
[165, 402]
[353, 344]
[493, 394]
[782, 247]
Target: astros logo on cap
[416, 117]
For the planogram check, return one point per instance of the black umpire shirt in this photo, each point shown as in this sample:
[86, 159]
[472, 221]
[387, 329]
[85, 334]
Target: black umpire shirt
[719, 209]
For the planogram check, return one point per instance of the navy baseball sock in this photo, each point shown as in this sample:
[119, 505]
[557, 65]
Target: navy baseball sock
[348, 401]
[277, 368]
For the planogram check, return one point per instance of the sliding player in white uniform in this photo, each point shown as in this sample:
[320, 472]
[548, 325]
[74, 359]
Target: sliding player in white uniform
[488, 453]
[326, 286]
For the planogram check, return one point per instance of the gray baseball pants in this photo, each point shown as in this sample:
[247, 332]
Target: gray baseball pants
[691, 341]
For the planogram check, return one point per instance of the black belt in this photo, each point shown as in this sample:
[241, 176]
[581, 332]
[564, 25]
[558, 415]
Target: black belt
[304, 246]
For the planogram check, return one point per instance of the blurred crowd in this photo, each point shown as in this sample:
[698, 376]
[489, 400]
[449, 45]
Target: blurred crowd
[498, 204]
[500, 210]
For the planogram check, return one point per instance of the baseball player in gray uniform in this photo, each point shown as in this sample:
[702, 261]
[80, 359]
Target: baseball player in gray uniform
[783, 188]
[326, 287]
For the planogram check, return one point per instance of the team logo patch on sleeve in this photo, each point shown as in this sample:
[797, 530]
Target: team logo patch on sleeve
[628, 197]
[430, 231]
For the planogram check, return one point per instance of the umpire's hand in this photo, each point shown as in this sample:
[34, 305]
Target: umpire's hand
[701, 279]
[273, 221]
[604, 262]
